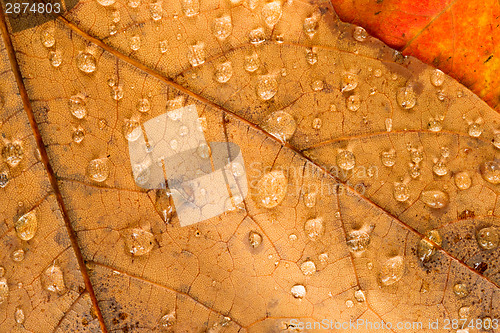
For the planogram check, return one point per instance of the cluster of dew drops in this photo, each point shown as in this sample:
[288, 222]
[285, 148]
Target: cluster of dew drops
[271, 189]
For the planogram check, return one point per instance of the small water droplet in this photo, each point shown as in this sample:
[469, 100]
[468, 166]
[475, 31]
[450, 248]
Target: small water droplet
[98, 169]
[47, 37]
[167, 321]
[156, 10]
[463, 180]
[223, 72]
[439, 168]
[271, 189]
[117, 92]
[426, 249]
[113, 30]
[86, 62]
[163, 46]
[388, 124]
[437, 78]
[360, 34]
[461, 290]
[416, 155]
[143, 105]
[53, 280]
[298, 291]
[434, 125]
[475, 130]
[4, 290]
[311, 56]
[196, 54]
[490, 171]
[271, 13]
[292, 237]
[19, 315]
[78, 106]
[407, 98]
[349, 303]
[388, 158]
[316, 123]
[377, 72]
[311, 24]
[135, 43]
[358, 240]
[392, 270]
[314, 228]
[4, 177]
[18, 255]
[317, 85]
[310, 199]
[346, 160]
[163, 205]
[12, 153]
[137, 241]
[401, 192]
[267, 87]
[359, 295]
[190, 7]
[308, 268]
[488, 238]
[26, 226]
[251, 63]
[55, 58]
[349, 81]
[353, 103]
[131, 129]
[257, 36]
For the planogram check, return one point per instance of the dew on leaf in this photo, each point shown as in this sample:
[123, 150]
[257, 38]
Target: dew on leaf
[257, 36]
[222, 27]
[359, 295]
[223, 72]
[132, 129]
[98, 169]
[55, 58]
[251, 63]
[461, 290]
[271, 13]
[388, 124]
[406, 97]
[167, 321]
[316, 123]
[488, 238]
[163, 205]
[18, 255]
[143, 105]
[106, 3]
[310, 199]
[78, 134]
[346, 160]
[401, 192]
[271, 189]
[437, 78]
[47, 37]
[439, 168]
[196, 54]
[317, 85]
[490, 171]
[434, 125]
[416, 155]
[4, 177]
[4, 290]
[26, 226]
[463, 180]
[435, 198]
[359, 34]
[311, 56]
[163, 45]
[53, 280]
[267, 87]
[308, 267]
[496, 140]
[138, 242]
[464, 312]
[19, 315]
[86, 62]
[426, 249]
[358, 240]
[311, 24]
[135, 43]
[353, 103]
[190, 7]
[314, 228]
[392, 270]
[349, 81]
[78, 106]
[388, 158]
[12, 153]
[254, 238]
[117, 92]
[298, 291]
[156, 11]
[475, 130]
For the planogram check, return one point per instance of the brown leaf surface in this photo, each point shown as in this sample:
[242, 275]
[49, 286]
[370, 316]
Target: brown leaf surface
[208, 276]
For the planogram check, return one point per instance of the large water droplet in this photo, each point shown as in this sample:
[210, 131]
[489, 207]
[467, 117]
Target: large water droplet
[78, 134]
[98, 169]
[401, 192]
[196, 54]
[434, 125]
[437, 78]
[190, 7]
[439, 168]
[12, 153]
[271, 189]
[407, 98]
[138, 242]
[254, 238]
[53, 280]
[26, 226]
[475, 130]
[267, 87]
[257, 36]
[223, 72]
[491, 172]
[435, 198]
[308, 268]
[346, 160]
[463, 180]
[251, 63]
[271, 13]
[222, 27]
[86, 62]
[349, 81]
[392, 270]
[281, 125]
[78, 106]
[314, 228]
[298, 291]
[488, 238]
[310, 199]
[359, 34]
[426, 249]
[359, 295]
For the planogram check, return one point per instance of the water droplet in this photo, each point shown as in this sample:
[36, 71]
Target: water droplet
[416, 155]
[106, 3]
[203, 150]
[271, 13]
[311, 24]
[131, 129]
[251, 63]
[377, 72]
[86, 62]
[491, 172]
[414, 170]
[434, 125]
[113, 30]
[222, 27]
[26, 226]
[138, 242]
[117, 92]
[388, 124]
[143, 105]
[475, 130]
[12, 153]
[310, 199]
[349, 81]
[102, 124]
[98, 169]
[435, 198]
[439, 168]
[53, 280]
[190, 7]
[163, 205]
[167, 321]
[257, 36]
[316, 123]
[349, 303]
[353, 103]
[271, 189]
[392, 270]
[55, 58]
[346, 160]
[406, 97]
[18, 255]
[317, 85]
[4, 177]
[292, 237]
[388, 158]
[496, 140]
[19, 315]
[358, 240]
[401, 192]
[134, 43]
[311, 56]
[437, 78]
[78, 106]
[359, 295]
[426, 249]
[47, 37]
[4, 290]
[163, 46]
[308, 268]
[298, 291]
[488, 238]
[156, 10]
[360, 34]
[461, 290]
[314, 228]
[196, 54]
[267, 87]
[463, 180]
[254, 238]
[223, 72]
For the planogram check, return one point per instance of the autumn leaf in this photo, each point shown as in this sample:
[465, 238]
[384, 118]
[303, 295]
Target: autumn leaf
[458, 37]
[372, 177]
